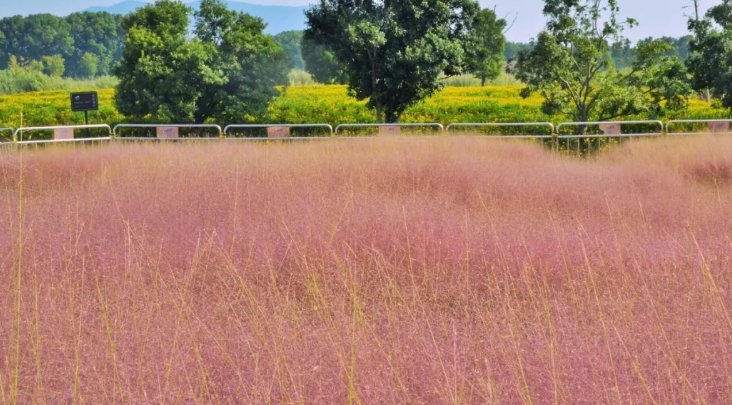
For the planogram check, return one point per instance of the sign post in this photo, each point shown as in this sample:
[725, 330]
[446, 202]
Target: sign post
[86, 101]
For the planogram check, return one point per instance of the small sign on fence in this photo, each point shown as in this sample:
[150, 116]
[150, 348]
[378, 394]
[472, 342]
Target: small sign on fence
[278, 132]
[718, 126]
[389, 130]
[167, 132]
[610, 128]
[63, 134]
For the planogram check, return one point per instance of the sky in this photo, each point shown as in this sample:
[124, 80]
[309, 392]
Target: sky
[656, 17]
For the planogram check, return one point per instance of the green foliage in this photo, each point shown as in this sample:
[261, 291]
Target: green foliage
[570, 68]
[33, 38]
[298, 77]
[89, 65]
[97, 34]
[227, 72]
[393, 52]
[249, 64]
[320, 61]
[485, 46]
[53, 65]
[711, 52]
[19, 79]
[291, 41]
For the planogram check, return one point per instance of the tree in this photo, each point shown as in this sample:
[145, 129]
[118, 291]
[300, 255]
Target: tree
[570, 67]
[89, 65]
[227, 71]
[711, 52]
[252, 64]
[53, 65]
[290, 41]
[33, 37]
[321, 63]
[485, 46]
[393, 52]
[161, 71]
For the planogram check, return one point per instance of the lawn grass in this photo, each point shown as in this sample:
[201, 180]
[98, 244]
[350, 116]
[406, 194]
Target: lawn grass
[382, 270]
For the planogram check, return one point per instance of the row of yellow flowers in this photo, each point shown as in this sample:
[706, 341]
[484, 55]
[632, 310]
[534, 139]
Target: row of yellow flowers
[328, 104]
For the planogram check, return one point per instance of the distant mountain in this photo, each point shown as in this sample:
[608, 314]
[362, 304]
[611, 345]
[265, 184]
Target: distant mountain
[278, 18]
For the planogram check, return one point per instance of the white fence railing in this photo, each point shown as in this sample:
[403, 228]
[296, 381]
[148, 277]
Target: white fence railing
[511, 130]
[390, 129]
[62, 133]
[720, 126]
[609, 129]
[277, 131]
[510, 125]
[165, 131]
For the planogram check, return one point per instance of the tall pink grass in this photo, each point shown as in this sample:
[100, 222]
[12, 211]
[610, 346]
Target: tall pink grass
[367, 271]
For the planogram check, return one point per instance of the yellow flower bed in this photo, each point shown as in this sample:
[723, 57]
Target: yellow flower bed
[328, 104]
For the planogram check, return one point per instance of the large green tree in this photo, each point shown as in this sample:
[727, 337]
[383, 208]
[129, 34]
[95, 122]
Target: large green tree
[569, 66]
[485, 46]
[711, 52]
[227, 71]
[393, 52]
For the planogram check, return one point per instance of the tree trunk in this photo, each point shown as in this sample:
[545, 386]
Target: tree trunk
[482, 80]
[379, 112]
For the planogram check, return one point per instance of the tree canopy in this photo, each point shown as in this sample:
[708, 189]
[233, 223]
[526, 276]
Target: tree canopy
[485, 46]
[226, 71]
[35, 37]
[569, 66]
[393, 52]
[711, 52]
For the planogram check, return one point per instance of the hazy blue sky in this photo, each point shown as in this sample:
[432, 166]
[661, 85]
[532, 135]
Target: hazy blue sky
[656, 17]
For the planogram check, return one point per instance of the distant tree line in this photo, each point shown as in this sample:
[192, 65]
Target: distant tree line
[81, 45]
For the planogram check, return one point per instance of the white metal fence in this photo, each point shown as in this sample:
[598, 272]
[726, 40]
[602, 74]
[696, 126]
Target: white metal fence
[62, 133]
[579, 132]
[695, 127]
[277, 131]
[389, 129]
[608, 129]
[510, 126]
[166, 131]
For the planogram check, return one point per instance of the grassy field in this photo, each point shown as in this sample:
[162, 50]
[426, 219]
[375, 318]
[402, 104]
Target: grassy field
[328, 104]
[383, 270]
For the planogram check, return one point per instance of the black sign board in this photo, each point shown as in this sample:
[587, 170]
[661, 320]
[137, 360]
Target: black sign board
[87, 101]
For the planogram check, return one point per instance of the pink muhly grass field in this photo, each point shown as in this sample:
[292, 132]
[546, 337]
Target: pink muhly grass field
[368, 271]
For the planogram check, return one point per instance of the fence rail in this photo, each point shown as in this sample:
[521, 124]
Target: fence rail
[166, 131]
[439, 127]
[711, 126]
[547, 125]
[562, 131]
[611, 129]
[62, 133]
[277, 127]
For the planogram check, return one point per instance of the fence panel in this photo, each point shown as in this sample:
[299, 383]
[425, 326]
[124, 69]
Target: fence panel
[584, 138]
[512, 130]
[149, 132]
[388, 129]
[278, 131]
[62, 133]
[698, 127]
